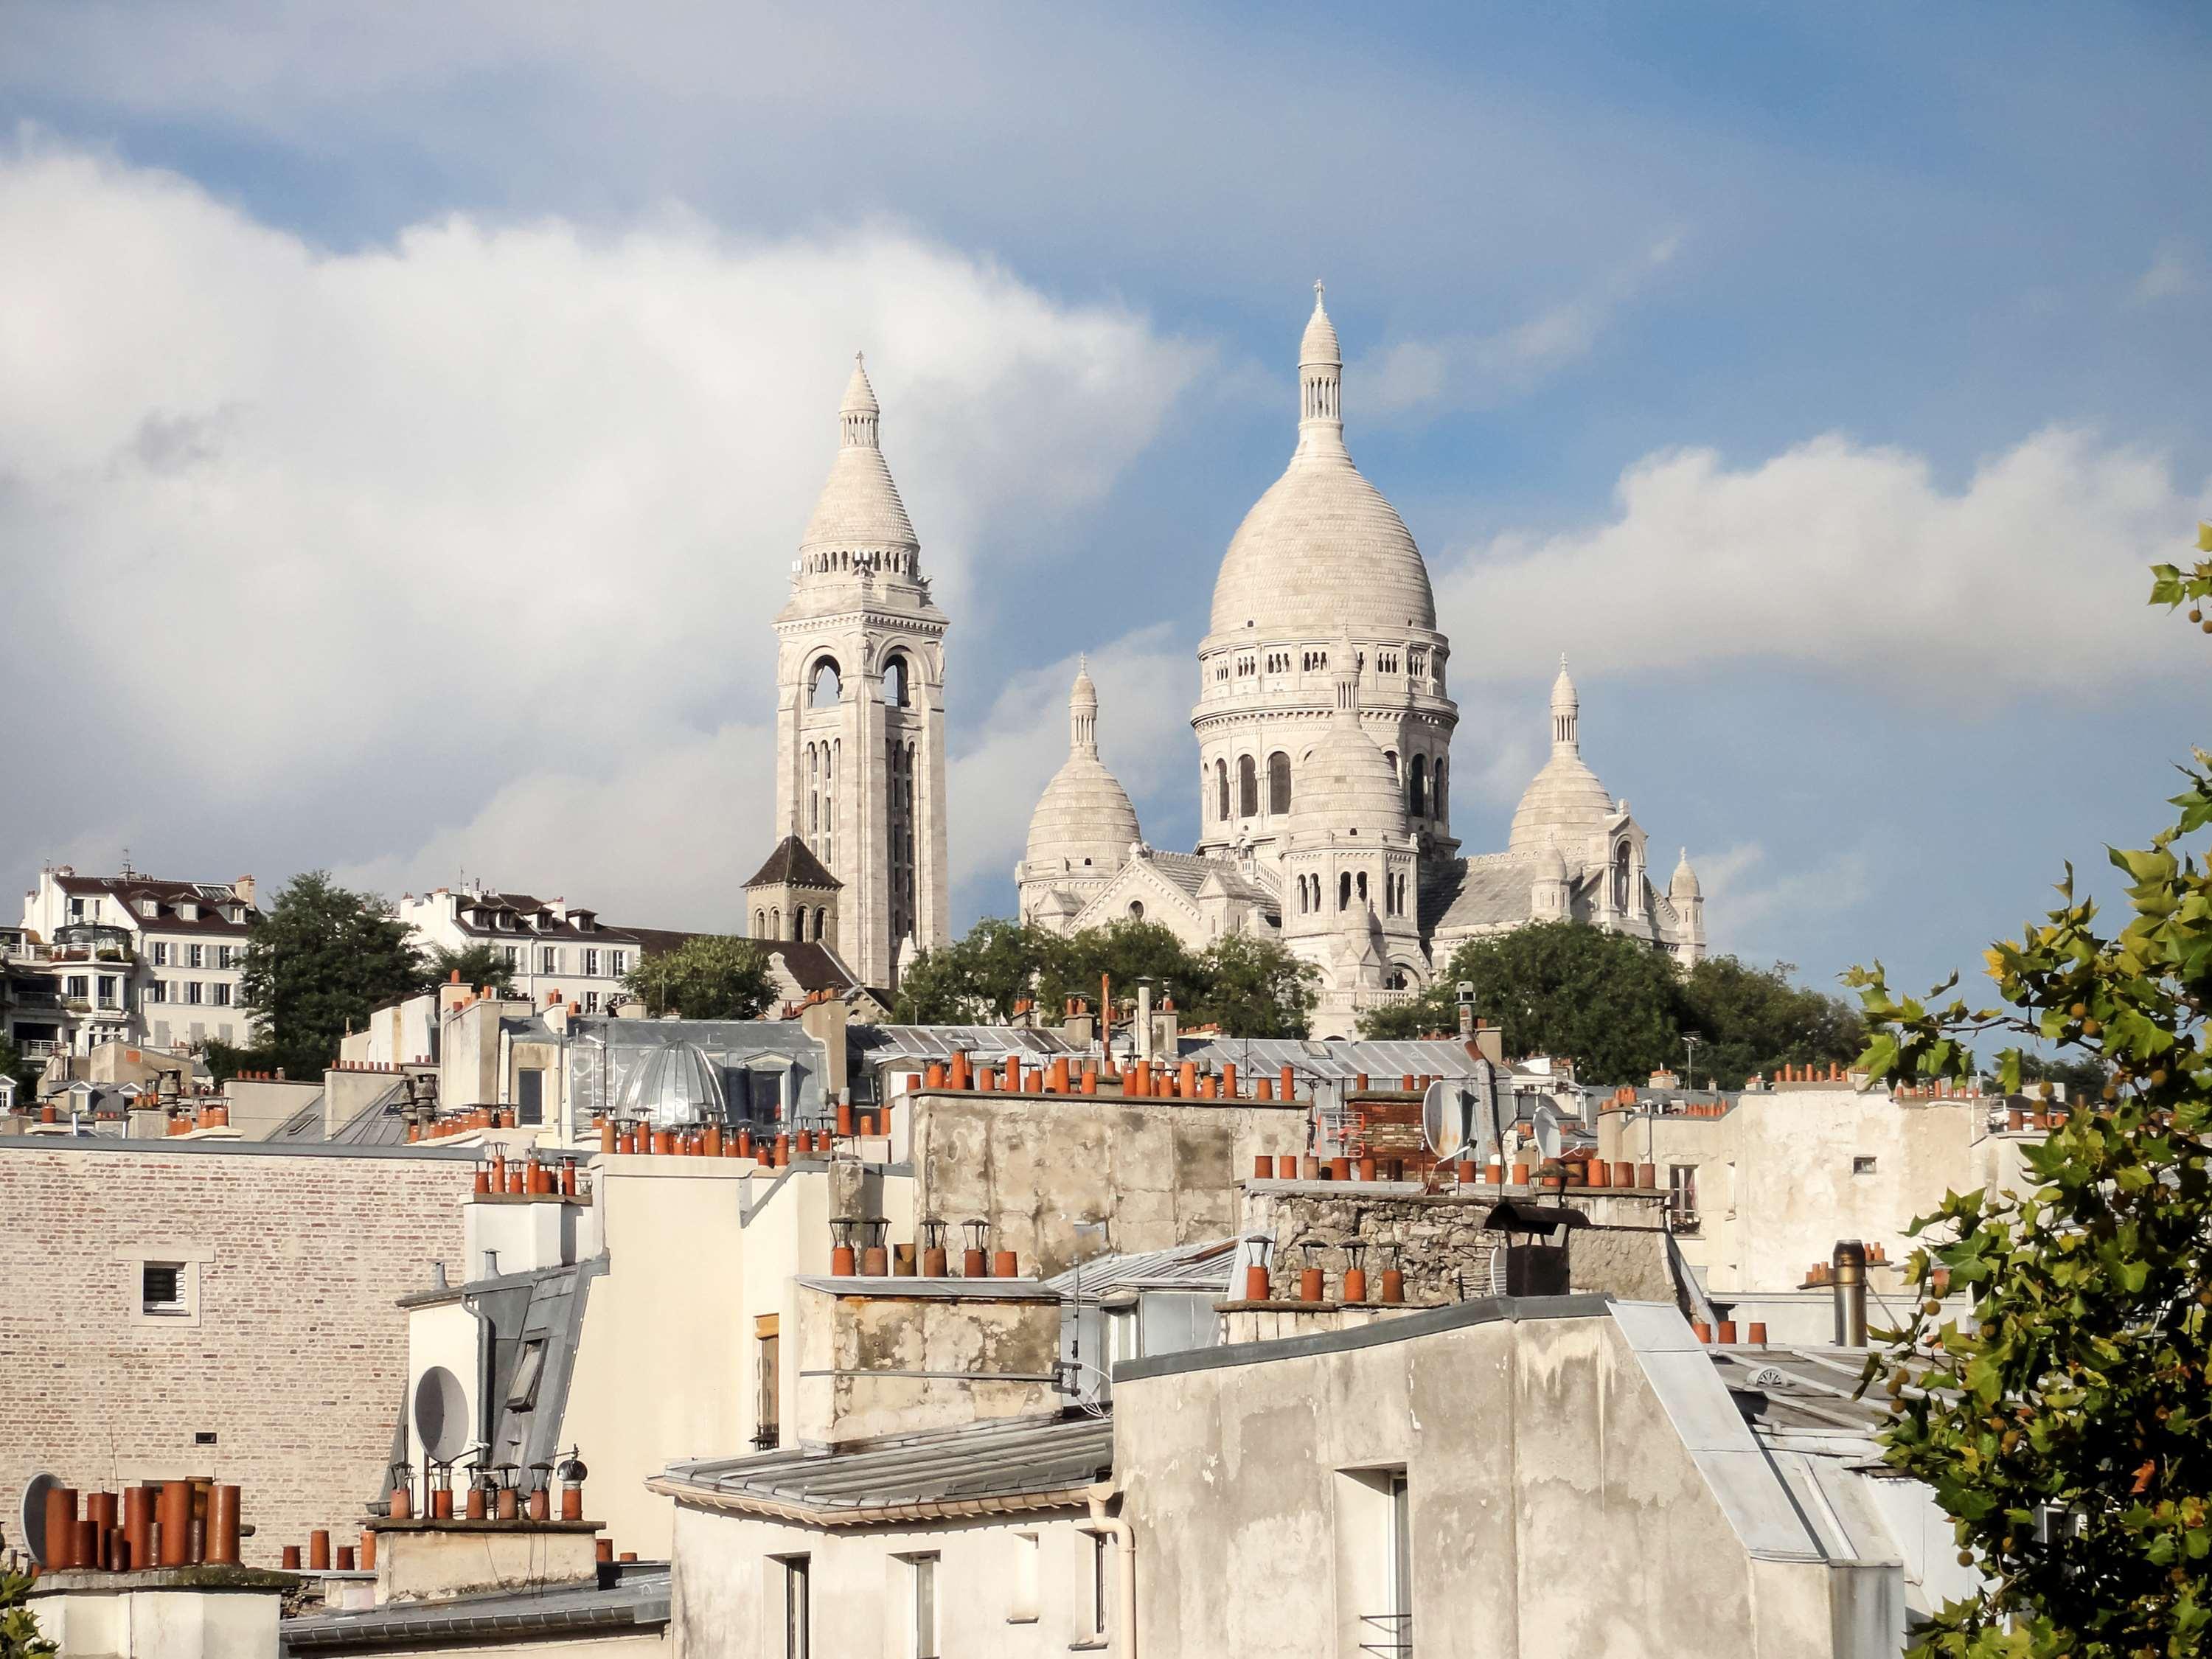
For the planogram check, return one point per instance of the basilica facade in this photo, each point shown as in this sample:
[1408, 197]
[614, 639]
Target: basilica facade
[1324, 733]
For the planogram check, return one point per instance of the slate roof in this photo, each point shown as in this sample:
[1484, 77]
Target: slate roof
[526, 905]
[1204, 1265]
[1477, 892]
[130, 890]
[792, 863]
[1383, 1062]
[636, 1599]
[377, 1124]
[1189, 871]
[658, 941]
[816, 967]
[935, 1472]
[1802, 1388]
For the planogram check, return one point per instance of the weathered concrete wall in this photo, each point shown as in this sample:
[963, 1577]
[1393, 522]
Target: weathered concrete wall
[728, 1602]
[1159, 1173]
[862, 1360]
[1445, 1251]
[1780, 1177]
[1555, 1508]
[295, 1356]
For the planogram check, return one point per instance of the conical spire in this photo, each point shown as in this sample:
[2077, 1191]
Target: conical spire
[859, 523]
[1684, 883]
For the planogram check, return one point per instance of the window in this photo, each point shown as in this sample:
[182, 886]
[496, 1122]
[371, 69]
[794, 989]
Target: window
[617, 963]
[1102, 1570]
[156, 991]
[161, 1288]
[1344, 890]
[1682, 1189]
[1420, 801]
[1620, 872]
[1279, 782]
[222, 994]
[196, 955]
[895, 685]
[77, 987]
[1136, 909]
[522, 1392]
[1862, 1166]
[226, 956]
[1248, 787]
[591, 965]
[1376, 1581]
[822, 689]
[922, 1570]
[591, 1002]
[768, 1429]
[1401, 1564]
[798, 1616]
[160, 953]
[111, 991]
[549, 960]
[514, 955]
[1221, 783]
[530, 1095]
[195, 992]
[1021, 1608]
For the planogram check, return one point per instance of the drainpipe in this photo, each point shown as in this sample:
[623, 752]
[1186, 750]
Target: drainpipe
[1124, 1578]
[486, 1422]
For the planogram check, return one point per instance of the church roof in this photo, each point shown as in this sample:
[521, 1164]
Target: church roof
[792, 865]
[859, 506]
[1564, 802]
[1189, 871]
[1323, 549]
[1486, 891]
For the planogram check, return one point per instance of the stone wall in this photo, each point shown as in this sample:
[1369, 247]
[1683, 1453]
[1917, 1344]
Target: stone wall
[1445, 1250]
[292, 1356]
[1157, 1172]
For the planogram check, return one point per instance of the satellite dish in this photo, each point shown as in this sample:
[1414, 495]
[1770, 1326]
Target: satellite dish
[1444, 1117]
[441, 1415]
[1545, 1123]
[33, 1529]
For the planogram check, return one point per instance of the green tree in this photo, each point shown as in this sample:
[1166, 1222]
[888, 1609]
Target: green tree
[978, 977]
[1254, 987]
[1753, 1020]
[1605, 1000]
[1122, 952]
[2080, 1074]
[2066, 1428]
[19, 1625]
[476, 965]
[710, 976]
[14, 1065]
[317, 961]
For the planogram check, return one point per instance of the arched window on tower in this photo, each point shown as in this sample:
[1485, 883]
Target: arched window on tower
[1279, 782]
[799, 924]
[1391, 755]
[776, 922]
[1344, 890]
[1442, 801]
[1420, 792]
[822, 925]
[895, 683]
[1359, 887]
[1221, 785]
[1620, 873]
[822, 689]
[1248, 787]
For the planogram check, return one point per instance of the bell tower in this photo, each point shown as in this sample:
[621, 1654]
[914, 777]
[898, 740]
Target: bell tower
[859, 778]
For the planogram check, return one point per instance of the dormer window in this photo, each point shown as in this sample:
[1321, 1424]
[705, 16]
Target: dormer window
[150, 907]
[188, 910]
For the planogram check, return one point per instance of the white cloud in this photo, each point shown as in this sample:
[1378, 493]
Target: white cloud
[1852, 562]
[1479, 371]
[1001, 769]
[2171, 276]
[1747, 902]
[464, 548]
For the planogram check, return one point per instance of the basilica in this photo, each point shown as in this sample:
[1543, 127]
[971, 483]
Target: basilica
[1324, 734]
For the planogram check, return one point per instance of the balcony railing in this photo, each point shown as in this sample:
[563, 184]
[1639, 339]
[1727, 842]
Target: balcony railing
[38, 1047]
[1390, 1633]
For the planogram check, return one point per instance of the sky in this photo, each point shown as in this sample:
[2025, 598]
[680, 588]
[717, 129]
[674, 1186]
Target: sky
[409, 413]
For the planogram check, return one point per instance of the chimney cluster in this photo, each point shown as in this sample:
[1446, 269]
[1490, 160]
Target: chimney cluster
[1143, 1079]
[529, 1176]
[159, 1524]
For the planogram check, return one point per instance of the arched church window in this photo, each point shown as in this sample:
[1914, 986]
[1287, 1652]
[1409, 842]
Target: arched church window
[1279, 782]
[1443, 808]
[821, 926]
[1421, 806]
[1136, 909]
[1221, 783]
[1359, 887]
[798, 925]
[823, 690]
[775, 921]
[1397, 981]
[1248, 787]
[1391, 756]
[1621, 876]
[1344, 890]
[895, 687]
[760, 924]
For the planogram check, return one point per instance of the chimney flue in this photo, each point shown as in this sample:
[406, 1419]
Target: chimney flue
[1850, 1276]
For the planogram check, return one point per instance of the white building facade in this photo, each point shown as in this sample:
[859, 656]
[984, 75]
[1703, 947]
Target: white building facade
[1324, 730]
[549, 944]
[129, 958]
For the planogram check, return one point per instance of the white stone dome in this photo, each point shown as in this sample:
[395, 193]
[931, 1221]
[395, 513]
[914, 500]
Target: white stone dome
[1084, 821]
[1551, 865]
[1564, 802]
[1322, 550]
[1684, 886]
[1347, 787]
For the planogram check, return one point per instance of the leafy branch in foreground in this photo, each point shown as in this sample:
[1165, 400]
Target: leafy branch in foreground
[2066, 1427]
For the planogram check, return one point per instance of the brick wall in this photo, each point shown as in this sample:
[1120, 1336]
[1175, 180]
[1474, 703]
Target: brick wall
[296, 1361]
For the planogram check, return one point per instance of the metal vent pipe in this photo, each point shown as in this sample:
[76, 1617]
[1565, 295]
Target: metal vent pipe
[1850, 1280]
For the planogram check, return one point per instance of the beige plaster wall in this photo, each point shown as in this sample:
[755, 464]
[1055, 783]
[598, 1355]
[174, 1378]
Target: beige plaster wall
[1159, 1173]
[864, 1360]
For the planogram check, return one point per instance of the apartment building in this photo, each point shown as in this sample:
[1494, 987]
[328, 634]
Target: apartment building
[548, 944]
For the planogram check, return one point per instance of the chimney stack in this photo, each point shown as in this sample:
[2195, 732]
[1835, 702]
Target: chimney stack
[1850, 1277]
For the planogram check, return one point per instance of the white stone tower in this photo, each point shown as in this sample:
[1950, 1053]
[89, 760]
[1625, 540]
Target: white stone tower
[1320, 559]
[1084, 825]
[860, 707]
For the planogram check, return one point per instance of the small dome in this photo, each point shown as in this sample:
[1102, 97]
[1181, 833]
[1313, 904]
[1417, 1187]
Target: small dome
[1347, 786]
[1564, 804]
[1563, 690]
[1684, 883]
[1550, 865]
[676, 1085]
[1083, 820]
[860, 395]
[1084, 694]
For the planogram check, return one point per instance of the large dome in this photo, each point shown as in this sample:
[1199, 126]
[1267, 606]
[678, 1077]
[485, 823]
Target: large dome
[1322, 550]
[1564, 802]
